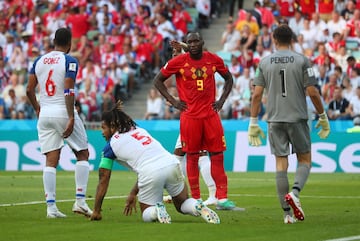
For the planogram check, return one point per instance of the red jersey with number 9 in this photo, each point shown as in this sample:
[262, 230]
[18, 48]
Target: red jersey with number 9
[195, 81]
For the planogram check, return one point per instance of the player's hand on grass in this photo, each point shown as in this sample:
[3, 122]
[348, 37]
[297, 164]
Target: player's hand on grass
[96, 216]
[323, 122]
[130, 205]
[255, 133]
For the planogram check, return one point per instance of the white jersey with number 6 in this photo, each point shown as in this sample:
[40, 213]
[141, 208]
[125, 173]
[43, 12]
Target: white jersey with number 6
[51, 70]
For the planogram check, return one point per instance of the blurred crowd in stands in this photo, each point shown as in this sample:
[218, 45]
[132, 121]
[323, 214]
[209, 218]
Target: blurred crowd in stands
[327, 32]
[121, 44]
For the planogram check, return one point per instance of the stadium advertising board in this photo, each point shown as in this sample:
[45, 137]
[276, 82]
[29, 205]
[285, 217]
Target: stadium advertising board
[19, 151]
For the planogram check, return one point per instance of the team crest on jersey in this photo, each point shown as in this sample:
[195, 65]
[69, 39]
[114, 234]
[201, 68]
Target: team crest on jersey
[72, 66]
[199, 73]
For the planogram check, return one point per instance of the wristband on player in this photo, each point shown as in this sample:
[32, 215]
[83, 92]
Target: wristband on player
[253, 120]
[69, 92]
[323, 115]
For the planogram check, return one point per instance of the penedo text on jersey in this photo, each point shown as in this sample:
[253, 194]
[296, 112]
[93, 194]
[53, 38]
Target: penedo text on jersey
[282, 60]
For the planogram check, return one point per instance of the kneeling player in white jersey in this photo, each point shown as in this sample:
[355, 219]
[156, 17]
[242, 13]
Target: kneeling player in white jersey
[55, 72]
[156, 168]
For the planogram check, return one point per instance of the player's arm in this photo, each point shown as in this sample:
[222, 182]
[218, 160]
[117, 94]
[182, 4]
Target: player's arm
[30, 92]
[315, 98]
[131, 200]
[104, 179]
[69, 95]
[255, 133]
[323, 119]
[159, 84]
[256, 101]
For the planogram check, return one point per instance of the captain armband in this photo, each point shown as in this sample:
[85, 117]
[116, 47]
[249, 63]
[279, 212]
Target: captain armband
[69, 92]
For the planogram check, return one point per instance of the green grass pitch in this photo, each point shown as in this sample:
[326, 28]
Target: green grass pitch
[331, 203]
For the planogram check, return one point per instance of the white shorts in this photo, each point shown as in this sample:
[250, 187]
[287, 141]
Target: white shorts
[178, 143]
[50, 131]
[152, 183]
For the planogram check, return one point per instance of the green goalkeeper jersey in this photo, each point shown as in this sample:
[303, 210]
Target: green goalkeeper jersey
[285, 74]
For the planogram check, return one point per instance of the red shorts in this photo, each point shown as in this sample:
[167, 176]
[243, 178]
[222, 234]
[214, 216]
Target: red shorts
[202, 134]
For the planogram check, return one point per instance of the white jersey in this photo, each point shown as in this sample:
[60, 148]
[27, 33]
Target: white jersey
[138, 150]
[51, 70]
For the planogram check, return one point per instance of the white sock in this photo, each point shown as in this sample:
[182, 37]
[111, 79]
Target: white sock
[81, 179]
[182, 161]
[150, 214]
[205, 169]
[188, 207]
[49, 181]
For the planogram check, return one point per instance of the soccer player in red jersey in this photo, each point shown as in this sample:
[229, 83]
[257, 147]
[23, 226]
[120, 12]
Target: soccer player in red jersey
[200, 124]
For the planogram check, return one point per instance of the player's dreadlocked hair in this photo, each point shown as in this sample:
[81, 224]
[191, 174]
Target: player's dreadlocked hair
[118, 119]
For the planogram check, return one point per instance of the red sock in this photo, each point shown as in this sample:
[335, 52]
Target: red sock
[192, 169]
[219, 175]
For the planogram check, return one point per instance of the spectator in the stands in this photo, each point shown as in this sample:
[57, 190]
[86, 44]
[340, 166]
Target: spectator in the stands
[325, 9]
[355, 104]
[18, 61]
[79, 23]
[4, 74]
[348, 12]
[317, 24]
[156, 41]
[51, 19]
[329, 88]
[14, 105]
[352, 65]
[265, 38]
[338, 106]
[287, 8]
[2, 34]
[296, 23]
[230, 39]
[336, 24]
[348, 91]
[340, 57]
[180, 18]
[154, 105]
[355, 78]
[250, 22]
[14, 84]
[170, 112]
[105, 89]
[334, 44]
[352, 31]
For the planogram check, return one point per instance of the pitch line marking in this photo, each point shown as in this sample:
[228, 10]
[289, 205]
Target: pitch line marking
[58, 201]
[233, 195]
[345, 238]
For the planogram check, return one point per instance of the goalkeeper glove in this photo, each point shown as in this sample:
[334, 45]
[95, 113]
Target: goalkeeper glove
[325, 126]
[255, 132]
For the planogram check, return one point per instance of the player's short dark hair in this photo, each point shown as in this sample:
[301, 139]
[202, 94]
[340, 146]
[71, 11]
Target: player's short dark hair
[283, 34]
[62, 37]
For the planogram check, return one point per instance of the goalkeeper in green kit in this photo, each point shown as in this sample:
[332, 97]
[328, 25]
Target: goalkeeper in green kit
[287, 77]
